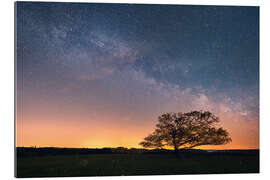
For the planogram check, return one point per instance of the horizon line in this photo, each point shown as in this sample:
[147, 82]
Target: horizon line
[128, 148]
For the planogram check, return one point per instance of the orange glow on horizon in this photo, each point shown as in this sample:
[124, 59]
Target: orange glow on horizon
[78, 134]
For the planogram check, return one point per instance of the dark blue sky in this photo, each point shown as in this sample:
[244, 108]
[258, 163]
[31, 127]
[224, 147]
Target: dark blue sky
[99, 56]
[210, 46]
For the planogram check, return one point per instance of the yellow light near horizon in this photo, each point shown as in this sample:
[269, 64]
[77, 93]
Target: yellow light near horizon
[50, 132]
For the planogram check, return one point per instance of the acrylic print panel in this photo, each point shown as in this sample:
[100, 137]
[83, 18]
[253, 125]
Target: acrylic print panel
[131, 89]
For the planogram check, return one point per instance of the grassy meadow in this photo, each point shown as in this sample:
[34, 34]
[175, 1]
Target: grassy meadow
[135, 164]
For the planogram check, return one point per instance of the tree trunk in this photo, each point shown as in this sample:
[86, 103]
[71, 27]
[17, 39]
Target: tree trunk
[175, 150]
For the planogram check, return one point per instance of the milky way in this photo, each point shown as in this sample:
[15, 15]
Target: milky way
[113, 68]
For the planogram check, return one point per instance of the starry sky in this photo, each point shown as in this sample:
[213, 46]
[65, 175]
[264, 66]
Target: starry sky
[99, 75]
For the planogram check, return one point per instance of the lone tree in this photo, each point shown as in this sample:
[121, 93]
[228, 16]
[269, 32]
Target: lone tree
[186, 130]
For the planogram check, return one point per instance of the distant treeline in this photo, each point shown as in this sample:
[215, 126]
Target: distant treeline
[53, 151]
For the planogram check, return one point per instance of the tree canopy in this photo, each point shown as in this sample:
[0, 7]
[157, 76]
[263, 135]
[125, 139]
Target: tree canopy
[186, 130]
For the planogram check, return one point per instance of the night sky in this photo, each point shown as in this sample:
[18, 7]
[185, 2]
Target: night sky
[99, 75]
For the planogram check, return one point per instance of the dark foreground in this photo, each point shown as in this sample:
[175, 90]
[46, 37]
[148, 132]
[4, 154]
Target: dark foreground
[137, 164]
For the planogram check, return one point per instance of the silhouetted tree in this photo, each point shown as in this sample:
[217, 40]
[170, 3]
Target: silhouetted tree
[186, 130]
